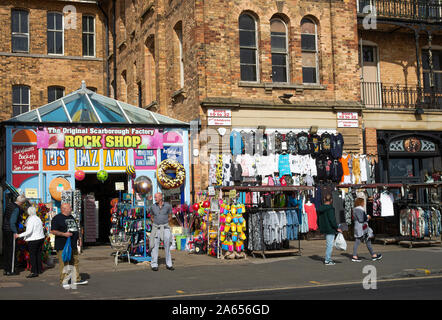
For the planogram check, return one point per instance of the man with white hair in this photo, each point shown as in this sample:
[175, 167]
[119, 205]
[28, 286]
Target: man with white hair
[161, 213]
[13, 212]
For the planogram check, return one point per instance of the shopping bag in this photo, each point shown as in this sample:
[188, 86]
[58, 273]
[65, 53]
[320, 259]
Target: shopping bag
[67, 251]
[340, 242]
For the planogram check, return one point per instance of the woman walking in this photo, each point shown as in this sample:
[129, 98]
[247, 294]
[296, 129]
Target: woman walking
[34, 236]
[362, 231]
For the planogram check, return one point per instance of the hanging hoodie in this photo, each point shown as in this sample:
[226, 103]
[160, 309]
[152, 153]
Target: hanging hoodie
[315, 145]
[326, 143]
[337, 146]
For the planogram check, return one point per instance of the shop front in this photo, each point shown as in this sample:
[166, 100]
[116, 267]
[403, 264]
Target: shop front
[91, 151]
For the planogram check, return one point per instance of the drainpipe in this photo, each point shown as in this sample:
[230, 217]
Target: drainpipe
[114, 35]
[106, 26]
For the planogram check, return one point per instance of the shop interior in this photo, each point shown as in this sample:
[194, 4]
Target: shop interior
[103, 193]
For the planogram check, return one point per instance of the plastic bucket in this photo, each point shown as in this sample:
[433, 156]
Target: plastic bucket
[183, 243]
[178, 241]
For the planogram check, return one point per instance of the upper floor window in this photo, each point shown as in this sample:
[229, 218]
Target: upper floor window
[309, 48]
[55, 93]
[20, 99]
[278, 33]
[435, 81]
[20, 30]
[88, 36]
[179, 34]
[248, 48]
[55, 33]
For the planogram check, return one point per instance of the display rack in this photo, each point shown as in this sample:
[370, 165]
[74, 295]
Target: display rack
[264, 252]
[409, 241]
[145, 257]
[251, 209]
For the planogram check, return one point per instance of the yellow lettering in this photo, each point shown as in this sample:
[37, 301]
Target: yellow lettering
[96, 142]
[78, 141]
[110, 141]
[87, 141]
[119, 141]
[136, 141]
[68, 141]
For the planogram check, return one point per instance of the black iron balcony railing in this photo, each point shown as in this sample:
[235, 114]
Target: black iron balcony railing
[379, 95]
[417, 10]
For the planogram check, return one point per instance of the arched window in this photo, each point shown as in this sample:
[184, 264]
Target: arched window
[248, 48]
[309, 48]
[278, 33]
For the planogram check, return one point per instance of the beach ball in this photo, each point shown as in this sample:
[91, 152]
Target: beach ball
[130, 170]
[102, 175]
[79, 175]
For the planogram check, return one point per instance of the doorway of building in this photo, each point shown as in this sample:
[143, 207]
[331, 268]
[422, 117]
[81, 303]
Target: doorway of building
[103, 193]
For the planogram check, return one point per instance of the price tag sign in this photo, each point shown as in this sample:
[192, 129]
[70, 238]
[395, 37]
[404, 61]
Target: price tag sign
[119, 186]
[31, 193]
[211, 191]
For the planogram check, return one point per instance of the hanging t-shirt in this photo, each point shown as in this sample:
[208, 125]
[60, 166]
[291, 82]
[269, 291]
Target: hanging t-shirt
[311, 216]
[292, 143]
[356, 169]
[284, 165]
[345, 169]
[363, 166]
[236, 143]
[387, 200]
[303, 143]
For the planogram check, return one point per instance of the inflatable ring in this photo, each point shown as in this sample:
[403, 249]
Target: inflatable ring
[165, 180]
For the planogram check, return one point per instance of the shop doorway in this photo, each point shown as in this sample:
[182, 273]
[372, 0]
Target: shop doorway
[103, 193]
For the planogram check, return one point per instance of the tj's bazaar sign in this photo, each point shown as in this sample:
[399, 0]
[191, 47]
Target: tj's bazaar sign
[99, 138]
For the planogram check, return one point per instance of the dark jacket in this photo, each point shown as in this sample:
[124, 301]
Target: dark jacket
[11, 217]
[327, 220]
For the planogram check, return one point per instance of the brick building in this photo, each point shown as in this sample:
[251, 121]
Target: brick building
[46, 49]
[290, 64]
[401, 86]
[183, 58]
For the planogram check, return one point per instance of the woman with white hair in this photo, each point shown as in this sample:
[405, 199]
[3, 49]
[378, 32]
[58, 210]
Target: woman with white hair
[34, 236]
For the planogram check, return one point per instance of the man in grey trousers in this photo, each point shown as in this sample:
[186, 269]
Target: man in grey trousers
[161, 213]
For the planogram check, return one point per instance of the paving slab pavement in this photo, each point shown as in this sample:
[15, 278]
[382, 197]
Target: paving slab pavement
[201, 274]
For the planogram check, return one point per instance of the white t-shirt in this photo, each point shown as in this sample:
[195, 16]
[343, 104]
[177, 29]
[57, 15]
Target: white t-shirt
[387, 209]
[363, 166]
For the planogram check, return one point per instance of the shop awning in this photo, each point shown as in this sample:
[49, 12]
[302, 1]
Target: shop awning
[87, 107]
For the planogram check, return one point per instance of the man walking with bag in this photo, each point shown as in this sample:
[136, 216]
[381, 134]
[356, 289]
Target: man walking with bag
[64, 226]
[161, 213]
[328, 226]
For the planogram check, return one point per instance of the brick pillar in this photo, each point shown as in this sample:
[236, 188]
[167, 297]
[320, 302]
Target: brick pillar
[371, 142]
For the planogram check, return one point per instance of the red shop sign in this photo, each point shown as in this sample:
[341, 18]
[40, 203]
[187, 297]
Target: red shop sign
[24, 158]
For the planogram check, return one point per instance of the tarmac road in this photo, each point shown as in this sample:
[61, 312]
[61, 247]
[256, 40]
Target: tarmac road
[285, 278]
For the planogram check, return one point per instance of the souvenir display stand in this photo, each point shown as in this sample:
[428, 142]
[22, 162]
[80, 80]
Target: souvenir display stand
[255, 209]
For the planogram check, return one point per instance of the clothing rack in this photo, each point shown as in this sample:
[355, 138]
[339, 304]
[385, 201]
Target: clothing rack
[265, 252]
[412, 240]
